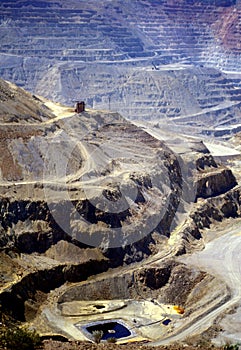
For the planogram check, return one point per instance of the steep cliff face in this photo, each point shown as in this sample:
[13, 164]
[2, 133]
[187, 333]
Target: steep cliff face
[215, 182]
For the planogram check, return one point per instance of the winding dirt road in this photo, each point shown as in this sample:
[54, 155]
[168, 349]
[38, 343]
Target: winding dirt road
[221, 258]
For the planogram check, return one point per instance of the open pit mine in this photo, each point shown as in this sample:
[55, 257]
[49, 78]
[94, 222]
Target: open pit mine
[103, 225]
[120, 197]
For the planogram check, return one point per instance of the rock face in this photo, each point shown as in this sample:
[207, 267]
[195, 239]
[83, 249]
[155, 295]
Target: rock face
[215, 183]
[147, 280]
[151, 60]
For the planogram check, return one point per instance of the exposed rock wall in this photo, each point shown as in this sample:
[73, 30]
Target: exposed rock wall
[26, 290]
[154, 281]
[212, 210]
[169, 283]
[215, 182]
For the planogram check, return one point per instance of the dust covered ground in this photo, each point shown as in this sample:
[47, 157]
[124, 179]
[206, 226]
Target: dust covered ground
[54, 345]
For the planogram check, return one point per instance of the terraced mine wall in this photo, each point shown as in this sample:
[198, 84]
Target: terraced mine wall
[75, 33]
[148, 60]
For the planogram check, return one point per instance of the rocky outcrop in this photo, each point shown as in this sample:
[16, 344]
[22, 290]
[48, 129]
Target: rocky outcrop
[224, 206]
[212, 210]
[153, 277]
[39, 231]
[215, 182]
[205, 161]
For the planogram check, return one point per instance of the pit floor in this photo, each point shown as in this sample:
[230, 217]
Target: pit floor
[143, 318]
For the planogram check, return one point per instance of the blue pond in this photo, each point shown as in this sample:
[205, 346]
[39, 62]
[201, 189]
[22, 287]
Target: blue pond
[111, 329]
[166, 322]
